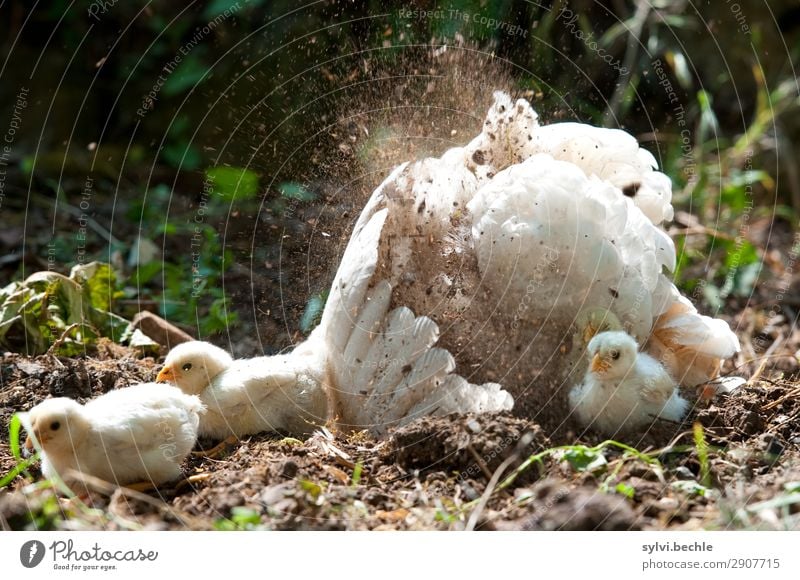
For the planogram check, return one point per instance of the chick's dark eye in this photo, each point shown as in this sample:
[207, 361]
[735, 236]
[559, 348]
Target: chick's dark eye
[615, 354]
[55, 425]
[187, 367]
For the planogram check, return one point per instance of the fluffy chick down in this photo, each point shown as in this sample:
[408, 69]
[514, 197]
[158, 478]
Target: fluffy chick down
[137, 434]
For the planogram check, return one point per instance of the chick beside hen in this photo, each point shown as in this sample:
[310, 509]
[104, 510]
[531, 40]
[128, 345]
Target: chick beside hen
[242, 397]
[624, 389]
[138, 434]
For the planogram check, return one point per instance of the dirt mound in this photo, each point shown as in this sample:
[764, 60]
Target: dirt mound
[470, 445]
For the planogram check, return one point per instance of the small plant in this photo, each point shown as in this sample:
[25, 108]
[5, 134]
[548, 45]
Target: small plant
[691, 487]
[702, 454]
[242, 518]
[585, 459]
[14, 428]
[357, 474]
[64, 315]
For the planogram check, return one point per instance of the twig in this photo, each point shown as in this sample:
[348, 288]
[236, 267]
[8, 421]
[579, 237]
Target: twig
[487, 493]
[793, 393]
[772, 348]
[701, 231]
[481, 463]
[64, 334]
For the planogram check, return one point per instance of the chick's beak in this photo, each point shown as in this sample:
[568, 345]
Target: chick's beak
[34, 436]
[166, 375]
[599, 365]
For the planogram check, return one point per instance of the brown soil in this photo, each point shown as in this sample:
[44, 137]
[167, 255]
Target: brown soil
[431, 474]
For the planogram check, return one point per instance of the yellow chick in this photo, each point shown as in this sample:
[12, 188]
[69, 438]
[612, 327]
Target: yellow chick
[280, 393]
[624, 389]
[137, 434]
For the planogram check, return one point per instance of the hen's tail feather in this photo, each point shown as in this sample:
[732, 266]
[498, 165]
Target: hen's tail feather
[456, 393]
[378, 358]
[389, 366]
[404, 349]
[367, 325]
[425, 376]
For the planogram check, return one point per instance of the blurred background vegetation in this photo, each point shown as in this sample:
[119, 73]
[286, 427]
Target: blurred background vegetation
[216, 153]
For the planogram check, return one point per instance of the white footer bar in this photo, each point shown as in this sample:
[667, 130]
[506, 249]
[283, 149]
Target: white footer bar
[406, 555]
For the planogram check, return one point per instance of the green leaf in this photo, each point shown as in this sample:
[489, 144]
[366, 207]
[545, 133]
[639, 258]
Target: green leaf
[242, 516]
[792, 486]
[217, 7]
[98, 281]
[187, 75]
[701, 446]
[313, 489]
[625, 489]
[233, 182]
[708, 119]
[357, 473]
[224, 525]
[292, 190]
[19, 468]
[583, 458]
[144, 273]
[313, 313]
[14, 428]
[691, 487]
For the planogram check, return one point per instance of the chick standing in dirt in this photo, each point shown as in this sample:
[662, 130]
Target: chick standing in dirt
[134, 435]
[623, 388]
[247, 396]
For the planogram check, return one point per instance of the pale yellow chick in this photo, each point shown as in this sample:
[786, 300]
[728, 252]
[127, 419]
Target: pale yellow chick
[280, 393]
[138, 434]
[624, 389]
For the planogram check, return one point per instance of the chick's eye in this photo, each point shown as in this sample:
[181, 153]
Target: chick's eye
[615, 354]
[55, 426]
[187, 367]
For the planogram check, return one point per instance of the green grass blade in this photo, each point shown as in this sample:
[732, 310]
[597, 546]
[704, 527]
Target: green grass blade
[19, 468]
[14, 427]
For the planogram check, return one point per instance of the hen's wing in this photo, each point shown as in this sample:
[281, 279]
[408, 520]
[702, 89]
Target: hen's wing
[691, 345]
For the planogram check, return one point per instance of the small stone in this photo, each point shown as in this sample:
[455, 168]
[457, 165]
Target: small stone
[289, 469]
[30, 368]
[668, 504]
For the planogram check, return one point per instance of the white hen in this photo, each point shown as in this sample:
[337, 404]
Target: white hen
[624, 389]
[515, 242]
[280, 393]
[141, 433]
[519, 246]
